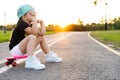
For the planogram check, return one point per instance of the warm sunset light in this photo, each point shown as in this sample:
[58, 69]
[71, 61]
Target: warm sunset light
[61, 12]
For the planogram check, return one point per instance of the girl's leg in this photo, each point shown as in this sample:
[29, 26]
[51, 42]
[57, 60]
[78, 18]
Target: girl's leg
[27, 45]
[50, 56]
[43, 44]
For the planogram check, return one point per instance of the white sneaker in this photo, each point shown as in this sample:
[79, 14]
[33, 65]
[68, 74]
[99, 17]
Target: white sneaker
[52, 57]
[33, 63]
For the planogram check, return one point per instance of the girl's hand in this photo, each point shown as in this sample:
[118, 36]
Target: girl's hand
[40, 21]
[34, 20]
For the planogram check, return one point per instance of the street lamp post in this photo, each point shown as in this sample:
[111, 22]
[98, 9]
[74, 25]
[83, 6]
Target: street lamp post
[106, 24]
[5, 23]
[106, 3]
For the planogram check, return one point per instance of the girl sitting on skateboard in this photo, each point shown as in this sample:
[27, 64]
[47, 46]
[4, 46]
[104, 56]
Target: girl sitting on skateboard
[21, 44]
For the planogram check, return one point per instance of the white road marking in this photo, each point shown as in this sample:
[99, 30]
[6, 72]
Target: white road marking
[110, 49]
[5, 68]
[2, 61]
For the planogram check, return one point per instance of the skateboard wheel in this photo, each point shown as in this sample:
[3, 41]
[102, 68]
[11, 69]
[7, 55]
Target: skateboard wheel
[14, 64]
[7, 63]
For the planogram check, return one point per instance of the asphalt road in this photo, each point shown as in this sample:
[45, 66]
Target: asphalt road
[83, 59]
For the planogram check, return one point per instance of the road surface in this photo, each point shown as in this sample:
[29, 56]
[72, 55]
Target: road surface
[83, 59]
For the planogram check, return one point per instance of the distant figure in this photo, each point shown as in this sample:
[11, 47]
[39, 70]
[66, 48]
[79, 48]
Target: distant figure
[20, 44]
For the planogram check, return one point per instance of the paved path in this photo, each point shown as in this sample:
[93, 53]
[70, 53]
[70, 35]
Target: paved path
[83, 59]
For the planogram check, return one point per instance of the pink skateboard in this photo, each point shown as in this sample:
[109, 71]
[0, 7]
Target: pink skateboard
[11, 60]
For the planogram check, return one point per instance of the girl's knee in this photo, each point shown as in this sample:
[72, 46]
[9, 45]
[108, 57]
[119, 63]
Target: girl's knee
[40, 38]
[33, 37]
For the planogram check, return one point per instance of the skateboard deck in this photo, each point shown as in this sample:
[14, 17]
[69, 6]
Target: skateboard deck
[11, 60]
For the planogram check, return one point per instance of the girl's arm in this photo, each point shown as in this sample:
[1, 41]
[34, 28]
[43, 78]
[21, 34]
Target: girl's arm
[33, 29]
[42, 29]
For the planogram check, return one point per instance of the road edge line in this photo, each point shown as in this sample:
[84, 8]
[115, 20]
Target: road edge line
[103, 45]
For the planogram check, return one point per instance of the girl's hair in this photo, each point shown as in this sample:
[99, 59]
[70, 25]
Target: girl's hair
[20, 20]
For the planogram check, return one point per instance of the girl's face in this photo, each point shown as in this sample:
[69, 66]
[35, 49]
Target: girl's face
[30, 16]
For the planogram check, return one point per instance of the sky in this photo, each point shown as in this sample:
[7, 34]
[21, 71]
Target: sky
[61, 12]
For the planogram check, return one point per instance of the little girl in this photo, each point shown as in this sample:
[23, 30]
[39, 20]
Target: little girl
[21, 44]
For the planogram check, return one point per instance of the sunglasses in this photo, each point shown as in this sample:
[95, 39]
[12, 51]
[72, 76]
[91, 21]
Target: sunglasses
[32, 13]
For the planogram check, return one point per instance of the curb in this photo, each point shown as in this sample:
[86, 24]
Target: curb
[103, 45]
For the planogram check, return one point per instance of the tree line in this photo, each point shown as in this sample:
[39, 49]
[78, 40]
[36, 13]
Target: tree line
[113, 25]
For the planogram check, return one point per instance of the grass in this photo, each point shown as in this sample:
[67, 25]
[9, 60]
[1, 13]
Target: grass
[111, 38]
[4, 37]
[51, 32]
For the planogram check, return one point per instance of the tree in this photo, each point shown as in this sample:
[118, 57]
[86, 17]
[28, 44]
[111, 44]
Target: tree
[53, 27]
[95, 2]
[80, 21]
[116, 23]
